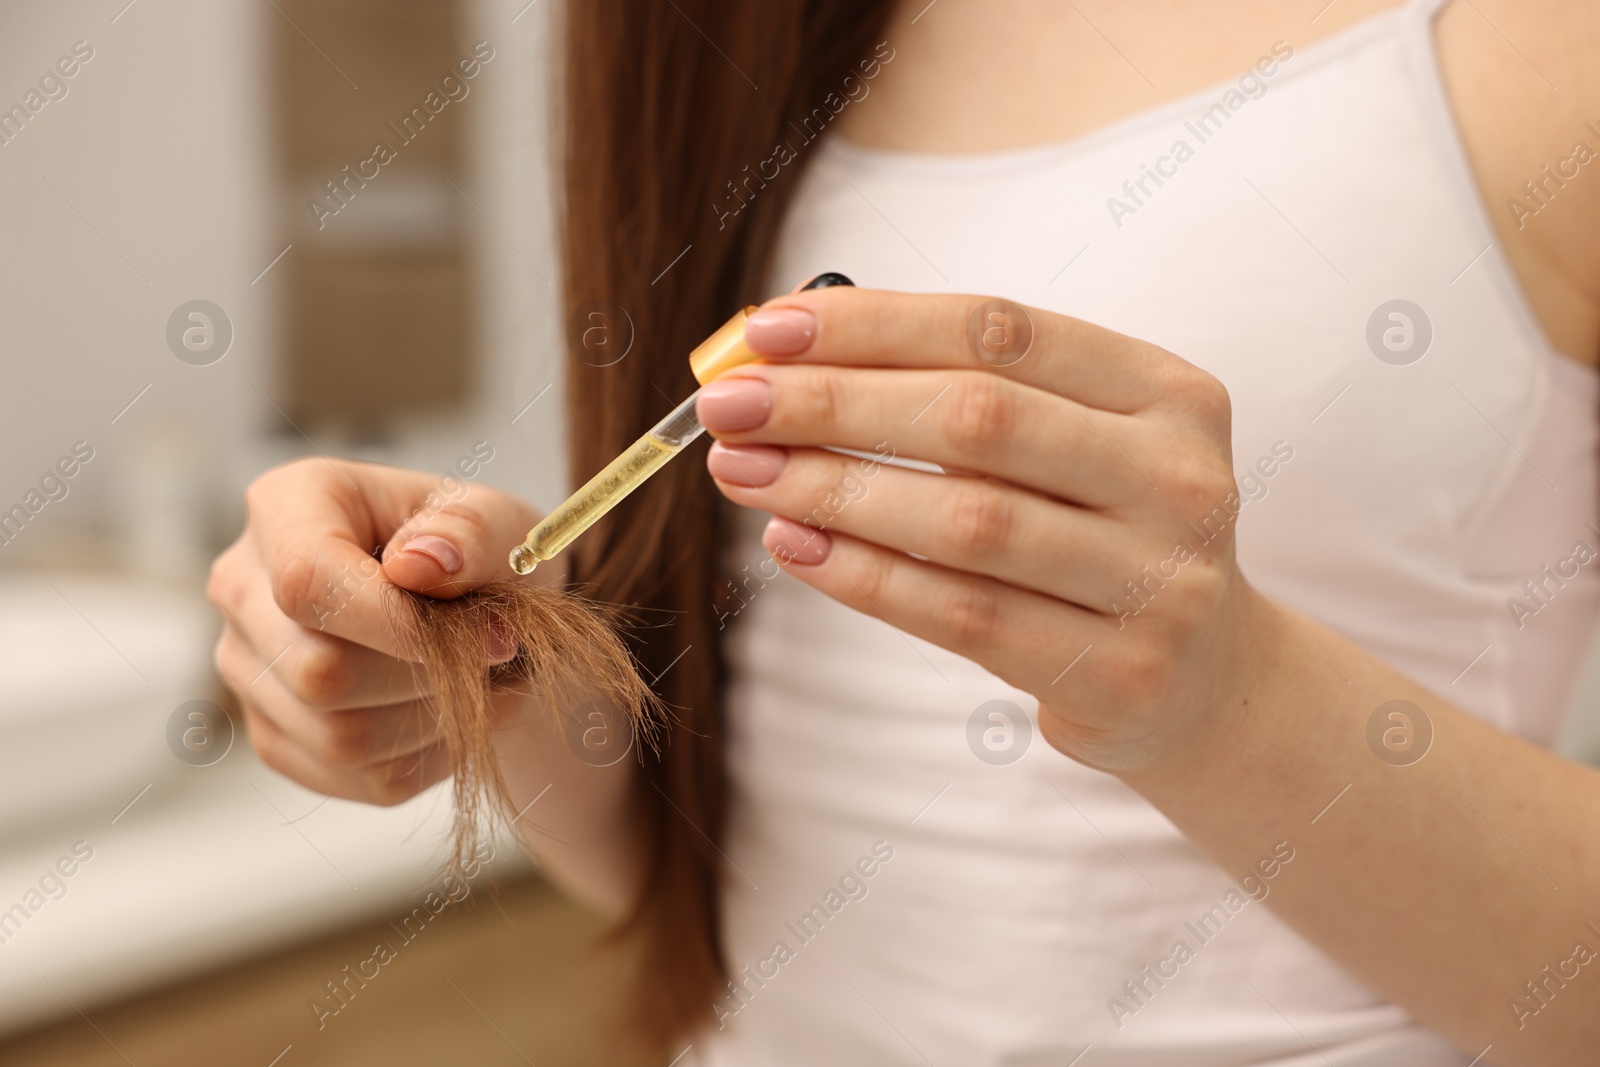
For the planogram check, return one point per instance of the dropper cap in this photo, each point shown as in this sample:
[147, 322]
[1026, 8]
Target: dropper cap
[725, 349]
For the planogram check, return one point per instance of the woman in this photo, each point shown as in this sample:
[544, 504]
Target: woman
[1288, 803]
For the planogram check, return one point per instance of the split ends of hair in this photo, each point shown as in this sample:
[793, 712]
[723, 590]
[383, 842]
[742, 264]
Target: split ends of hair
[567, 647]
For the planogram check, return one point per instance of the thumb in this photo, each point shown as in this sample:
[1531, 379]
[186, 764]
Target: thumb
[450, 547]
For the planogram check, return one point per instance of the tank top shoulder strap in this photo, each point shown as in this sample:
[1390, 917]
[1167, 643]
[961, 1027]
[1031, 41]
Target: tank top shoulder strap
[1423, 10]
[1416, 31]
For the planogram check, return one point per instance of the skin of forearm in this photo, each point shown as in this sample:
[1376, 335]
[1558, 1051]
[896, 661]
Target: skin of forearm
[583, 827]
[1445, 885]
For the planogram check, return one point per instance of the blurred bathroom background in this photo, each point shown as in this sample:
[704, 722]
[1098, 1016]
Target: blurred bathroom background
[175, 318]
[172, 308]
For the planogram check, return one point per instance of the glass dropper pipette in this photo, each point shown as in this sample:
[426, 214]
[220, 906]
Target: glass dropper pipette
[722, 351]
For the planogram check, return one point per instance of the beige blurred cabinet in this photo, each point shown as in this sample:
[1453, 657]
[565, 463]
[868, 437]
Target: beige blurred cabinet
[376, 297]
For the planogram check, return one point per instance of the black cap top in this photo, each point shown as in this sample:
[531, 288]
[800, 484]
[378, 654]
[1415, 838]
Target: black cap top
[823, 281]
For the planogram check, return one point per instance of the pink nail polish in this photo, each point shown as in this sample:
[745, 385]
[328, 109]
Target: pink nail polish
[791, 542]
[751, 466]
[731, 404]
[780, 331]
[442, 552]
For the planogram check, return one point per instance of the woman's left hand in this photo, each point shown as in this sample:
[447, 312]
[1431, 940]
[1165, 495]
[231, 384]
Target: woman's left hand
[1080, 545]
[1081, 548]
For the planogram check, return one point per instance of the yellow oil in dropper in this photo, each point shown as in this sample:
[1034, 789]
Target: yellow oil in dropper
[720, 352]
[605, 490]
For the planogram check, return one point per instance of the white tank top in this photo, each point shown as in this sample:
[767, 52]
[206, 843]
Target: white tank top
[1020, 903]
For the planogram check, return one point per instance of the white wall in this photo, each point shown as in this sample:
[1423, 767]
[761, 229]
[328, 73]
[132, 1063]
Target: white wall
[158, 147]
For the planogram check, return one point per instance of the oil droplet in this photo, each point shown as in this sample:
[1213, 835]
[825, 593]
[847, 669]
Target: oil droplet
[523, 560]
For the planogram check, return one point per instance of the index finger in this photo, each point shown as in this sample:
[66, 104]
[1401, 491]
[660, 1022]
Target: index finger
[880, 328]
[316, 539]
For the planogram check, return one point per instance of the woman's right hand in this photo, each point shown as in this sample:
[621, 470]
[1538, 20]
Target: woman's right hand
[329, 696]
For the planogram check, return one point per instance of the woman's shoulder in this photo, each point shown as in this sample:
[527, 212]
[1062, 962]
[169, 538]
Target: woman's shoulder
[1526, 94]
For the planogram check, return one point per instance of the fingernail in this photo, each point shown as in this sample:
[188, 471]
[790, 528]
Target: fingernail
[780, 331]
[752, 466]
[802, 285]
[442, 552]
[790, 542]
[500, 648]
[739, 404]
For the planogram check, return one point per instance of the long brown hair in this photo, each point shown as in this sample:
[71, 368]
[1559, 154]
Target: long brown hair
[665, 105]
